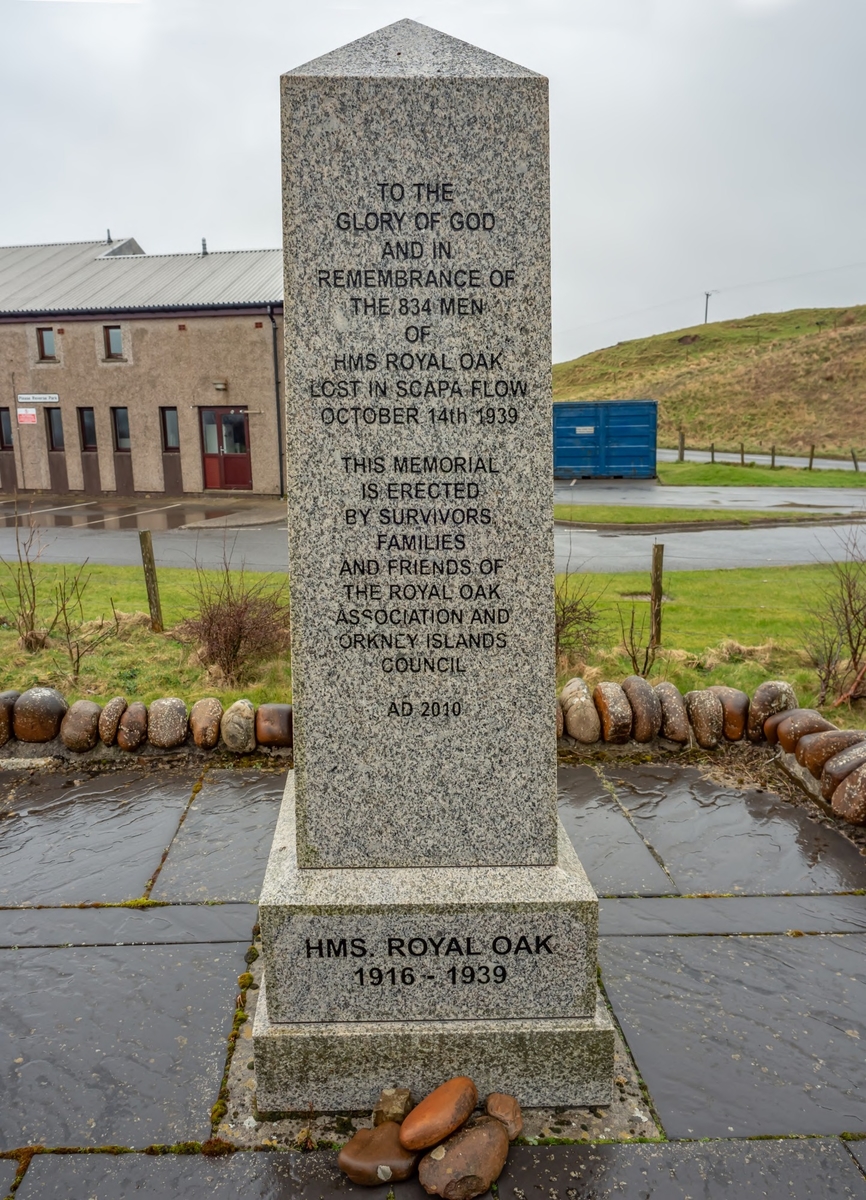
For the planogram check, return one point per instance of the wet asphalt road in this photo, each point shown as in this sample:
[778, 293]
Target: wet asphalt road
[782, 460]
[250, 532]
[648, 493]
[264, 548]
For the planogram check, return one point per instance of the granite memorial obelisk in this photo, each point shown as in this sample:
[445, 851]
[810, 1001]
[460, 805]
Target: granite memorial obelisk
[423, 913]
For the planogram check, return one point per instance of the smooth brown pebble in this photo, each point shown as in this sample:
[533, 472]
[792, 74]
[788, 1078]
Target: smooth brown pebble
[274, 725]
[79, 729]
[735, 708]
[849, 798]
[471, 1160]
[440, 1113]
[167, 723]
[771, 697]
[204, 722]
[614, 711]
[132, 729]
[646, 708]
[707, 717]
[815, 749]
[37, 713]
[505, 1108]
[798, 725]
[394, 1104]
[374, 1156]
[675, 718]
[109, 719]
[771, 725]
[839, 766]
[580, 715]
[7, 704]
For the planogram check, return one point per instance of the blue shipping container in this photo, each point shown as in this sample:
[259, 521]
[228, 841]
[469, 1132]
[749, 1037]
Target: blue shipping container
[598, 439]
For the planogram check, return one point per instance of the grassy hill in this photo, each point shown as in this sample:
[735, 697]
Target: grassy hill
[793, 379]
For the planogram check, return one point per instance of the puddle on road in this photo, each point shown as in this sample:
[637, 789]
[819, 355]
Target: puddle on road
[114, 516]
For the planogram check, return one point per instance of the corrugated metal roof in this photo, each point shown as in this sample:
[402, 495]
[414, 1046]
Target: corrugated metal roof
[95, 276]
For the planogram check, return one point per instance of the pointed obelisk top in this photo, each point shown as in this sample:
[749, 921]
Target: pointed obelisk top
[407, 48]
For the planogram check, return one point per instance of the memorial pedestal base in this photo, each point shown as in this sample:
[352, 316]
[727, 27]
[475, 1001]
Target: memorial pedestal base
[344, 1066]
[404, 977]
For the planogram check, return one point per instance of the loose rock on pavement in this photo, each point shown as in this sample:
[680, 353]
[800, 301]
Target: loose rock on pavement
[375, 1156]
[440, 1113]
[505, 1108]
[394, 1104]
[467, 1163]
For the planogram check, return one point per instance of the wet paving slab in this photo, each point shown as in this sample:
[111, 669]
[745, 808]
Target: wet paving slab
[8, 1171]
[725, 840]
[77, 840]
[169, 925]
[613, 853]
[732, 915]
[114, 1045]
[221, 850]
[779, 1170]
[745, 1036]
[858, 1149]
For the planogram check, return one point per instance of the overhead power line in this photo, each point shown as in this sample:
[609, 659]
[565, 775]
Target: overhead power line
[734, 287]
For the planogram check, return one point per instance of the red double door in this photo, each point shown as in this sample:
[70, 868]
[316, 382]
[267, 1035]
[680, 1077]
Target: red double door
[225, 448]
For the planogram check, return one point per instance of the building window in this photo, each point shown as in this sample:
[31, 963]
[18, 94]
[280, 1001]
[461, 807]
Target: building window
[113, 341]
[45, 342]
[120, 424]
[170, 435]
[5, 429]
[55, 429]
[87, 426]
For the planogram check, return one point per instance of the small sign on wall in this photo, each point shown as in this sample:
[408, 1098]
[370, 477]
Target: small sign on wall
[38, 398]
[26, 416]
[585, 430]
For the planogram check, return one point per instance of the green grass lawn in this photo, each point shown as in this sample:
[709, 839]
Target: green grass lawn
[736, 627]
[733, 475]
[614, 514]
[139, 663]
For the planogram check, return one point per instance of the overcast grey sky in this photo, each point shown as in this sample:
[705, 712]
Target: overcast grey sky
[695, 144]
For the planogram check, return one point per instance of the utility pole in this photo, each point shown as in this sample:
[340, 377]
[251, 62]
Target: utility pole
[707, 306]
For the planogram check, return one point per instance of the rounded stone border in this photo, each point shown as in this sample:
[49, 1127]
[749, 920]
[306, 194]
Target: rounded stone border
[829, 764]
[85, 731]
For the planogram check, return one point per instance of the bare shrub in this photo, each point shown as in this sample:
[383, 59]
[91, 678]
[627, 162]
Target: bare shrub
[636, 640]
[576, 622]
[20, 593]
[80, 638]
[236, 623]
[836, 641]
